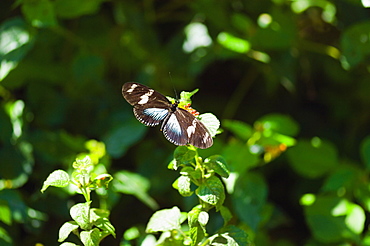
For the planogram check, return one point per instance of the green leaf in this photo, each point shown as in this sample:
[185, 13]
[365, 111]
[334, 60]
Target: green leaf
[103, 180]
[211, 122]
[238, 156]
[197, 220]
[105, 226]
[343, 177]
[233, 43]
[212, 192]
[249, 198]
[58, 178]
[69, 244]
[184, 154]
[313, 158]
[15, 42]
[223, 239]
[40, 13]
[333, 219]
[134, 184]
[283, 124]
[185, 97]
[235, 235]
[365, 152]
[5, 212]
[119, 139]
[81, 214]
[165, 220]
[66, 229]
[279, 34]
[218, 164]
[91, 237]
[183, 185]
[226, 214]
[131, 233]
[73, 9]
[355, 44]
[238, 128]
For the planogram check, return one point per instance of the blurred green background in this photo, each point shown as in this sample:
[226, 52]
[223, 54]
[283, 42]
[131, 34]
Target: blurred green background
[289, 81]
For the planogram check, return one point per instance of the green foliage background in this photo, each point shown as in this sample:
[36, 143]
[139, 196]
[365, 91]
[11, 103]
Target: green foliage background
[301, 64]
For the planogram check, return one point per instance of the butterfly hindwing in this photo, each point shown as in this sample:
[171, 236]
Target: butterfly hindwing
[179, 126]
[183, 128]
[150, 116]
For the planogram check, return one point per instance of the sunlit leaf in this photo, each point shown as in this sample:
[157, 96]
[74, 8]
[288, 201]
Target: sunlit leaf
[165, 220]
[80, 214]
[66, 229]
[15, 42]
[58, 178]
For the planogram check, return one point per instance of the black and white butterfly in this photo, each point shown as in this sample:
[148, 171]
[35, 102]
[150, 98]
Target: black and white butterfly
[179, 126]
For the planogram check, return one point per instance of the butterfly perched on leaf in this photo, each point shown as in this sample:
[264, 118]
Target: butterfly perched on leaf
[178, 124]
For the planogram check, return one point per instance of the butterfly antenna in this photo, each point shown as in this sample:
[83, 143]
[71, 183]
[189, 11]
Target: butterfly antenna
[174, 89]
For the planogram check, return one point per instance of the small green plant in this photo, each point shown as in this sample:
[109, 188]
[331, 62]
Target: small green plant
[205, 176]
[91, 225]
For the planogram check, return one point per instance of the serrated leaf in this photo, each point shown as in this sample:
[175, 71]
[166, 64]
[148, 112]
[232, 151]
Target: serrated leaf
[230, 236]
[183, 186]
[212, 192]
[218, 164]
[66, 229]
[90, 238]
[203, 218]
[68, 244]
[197, 230]
[223, 239]
[165, 220]
[211, 122]
[238, 235]
[58, 178]
[80, 214]
[184, 154]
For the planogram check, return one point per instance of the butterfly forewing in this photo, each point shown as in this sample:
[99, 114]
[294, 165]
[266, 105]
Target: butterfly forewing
[138, 94]
[150, 107]
[179, 126]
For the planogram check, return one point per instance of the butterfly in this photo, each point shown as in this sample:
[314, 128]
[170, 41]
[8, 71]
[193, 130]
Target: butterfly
[178, 125]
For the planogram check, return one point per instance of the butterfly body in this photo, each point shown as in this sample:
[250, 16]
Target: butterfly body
[178, 125]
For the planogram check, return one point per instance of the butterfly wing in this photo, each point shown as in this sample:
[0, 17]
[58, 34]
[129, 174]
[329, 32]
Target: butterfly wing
[181, 128]
[150, 106]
